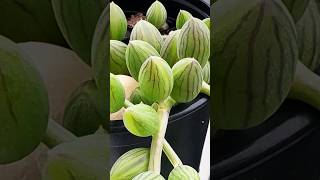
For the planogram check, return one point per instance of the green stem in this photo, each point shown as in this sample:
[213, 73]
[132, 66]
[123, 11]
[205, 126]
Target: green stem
[158, 138]
[306, 86]
[127, 103]
[56, 134]
[172, 156]
[205, 88]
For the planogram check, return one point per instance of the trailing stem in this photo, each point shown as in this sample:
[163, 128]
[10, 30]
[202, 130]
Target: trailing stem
[172, 156]
[306, 86]
[158, 138]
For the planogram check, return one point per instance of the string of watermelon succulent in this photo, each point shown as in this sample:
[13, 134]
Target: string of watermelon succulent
[169, 69]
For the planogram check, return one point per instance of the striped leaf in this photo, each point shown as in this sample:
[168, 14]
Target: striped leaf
[187, 74]
[77, 21]
[206, 73]
[169, 50]
[147, 32]
[141, 120]
[117, 94]
[118, 22]
[136, 54]
[86, 110]
[255, 57]
[155, 79]
[157, 14]
[118, 57]
[194, 41]
[148, 176]
[130, 164]
[184, 172]
[23, 104]
[296, 7]
[308, 28]
[182, 18]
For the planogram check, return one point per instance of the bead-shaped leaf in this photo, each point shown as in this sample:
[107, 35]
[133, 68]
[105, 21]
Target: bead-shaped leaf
[187, 74]
[155, 79]
[136, 54]
[147, 32]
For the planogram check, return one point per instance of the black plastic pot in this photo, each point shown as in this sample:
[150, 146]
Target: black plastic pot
[277, 149]
[188, 123]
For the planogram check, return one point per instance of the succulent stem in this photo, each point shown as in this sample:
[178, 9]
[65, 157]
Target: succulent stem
[158, 138]
[127, 103]
[205, 88]
[56, 134]
[171, 154]
[306, 86]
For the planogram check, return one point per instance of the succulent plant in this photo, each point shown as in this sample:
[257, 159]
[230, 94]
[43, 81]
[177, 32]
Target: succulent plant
[251, 80]
[78, 24]
[141, 120]
[136, 54]
[160, 87]
[206, 73]
[118, 22]
[86, 110]
[148, 176]
[117, 94]
[187, 74]
[194, 41]
[130, 164]
[184, 172]
[207, 22]
[147, 32]
[118, 57]
[308, 28]
[24, 105]
[169, 50]
[157, 14]
[182, 18]
[155, 79]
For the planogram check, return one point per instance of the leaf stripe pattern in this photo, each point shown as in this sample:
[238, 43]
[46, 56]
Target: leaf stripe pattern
[183, 172]
[147, 32]
[309, 36]
[253, 78]
[182, 18]
[157, 14]
[187, 74]
[194, 41]
[169, 51]
[117, 57]
[136, 54]
[130, 164]
[155, 79]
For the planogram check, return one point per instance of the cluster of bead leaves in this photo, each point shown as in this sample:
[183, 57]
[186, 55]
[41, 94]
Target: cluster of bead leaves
[169, 69]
